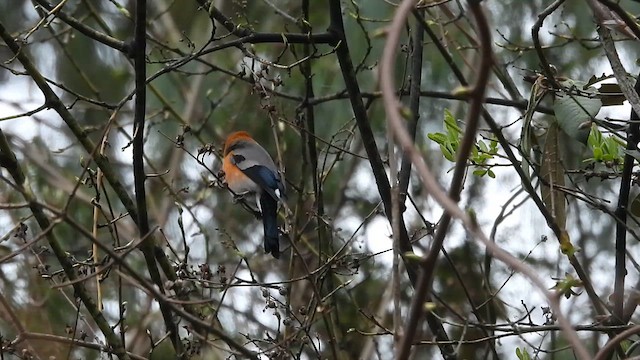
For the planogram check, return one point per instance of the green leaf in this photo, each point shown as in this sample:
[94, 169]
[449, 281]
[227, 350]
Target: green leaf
[494, 146]
[552, 174]
[522, 354]
[595, 137]
[575, 110]
[597, 153]
[474, 152]
[450, 124]
[440, 138]
[447, 153]
[612, 147]
[483, 146]
[480, 172]
[565, 285]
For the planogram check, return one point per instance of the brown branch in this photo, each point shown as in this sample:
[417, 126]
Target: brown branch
[86, 30]
[414, 99]
[368, 139]
[535, 30]
[615, 342]
[52, 101]
[633, 136]
[429, 262]
[8, 161]
[75, 342]
[256, 38]
[138, 50]
[629, 21]
[430, 184]
[154, 291]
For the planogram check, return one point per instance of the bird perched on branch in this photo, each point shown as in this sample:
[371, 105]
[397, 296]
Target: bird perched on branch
[249, 170]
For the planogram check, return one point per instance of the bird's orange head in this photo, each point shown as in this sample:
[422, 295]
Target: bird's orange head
[235, 137]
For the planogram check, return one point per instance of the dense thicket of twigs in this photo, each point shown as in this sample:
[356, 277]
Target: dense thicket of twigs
[461, 179]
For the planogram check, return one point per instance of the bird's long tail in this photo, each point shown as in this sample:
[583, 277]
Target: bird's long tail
[269, 207]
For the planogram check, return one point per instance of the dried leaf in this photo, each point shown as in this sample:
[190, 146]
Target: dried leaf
[611, 94]
[552, 176]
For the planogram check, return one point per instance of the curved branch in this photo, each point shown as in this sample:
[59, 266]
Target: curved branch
[615, 342]
[431, 185]
[535, 29]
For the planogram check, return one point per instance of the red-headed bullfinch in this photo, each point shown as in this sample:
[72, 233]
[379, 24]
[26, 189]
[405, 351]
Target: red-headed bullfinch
[249, 170]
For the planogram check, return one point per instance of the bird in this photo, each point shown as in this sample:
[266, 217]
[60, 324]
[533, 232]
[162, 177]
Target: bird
[249, 170]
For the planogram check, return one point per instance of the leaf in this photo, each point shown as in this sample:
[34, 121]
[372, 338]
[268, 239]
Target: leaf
[634, 208]
[450, 123]
[611, 94]
[596, 79]
[565, 285]
[573, 111]
[522, 354]
[634, 153]
[566, 247]
[440, 138]
[595, 137]
[448, 154]
[480, 172]
[552, 176]
[483, 146]
[597, 153]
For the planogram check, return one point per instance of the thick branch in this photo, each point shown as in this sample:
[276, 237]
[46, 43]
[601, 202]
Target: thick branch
[368, 139]
[633, 136]
[139, 176]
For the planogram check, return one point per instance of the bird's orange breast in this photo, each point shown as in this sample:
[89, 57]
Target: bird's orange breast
[236, 180]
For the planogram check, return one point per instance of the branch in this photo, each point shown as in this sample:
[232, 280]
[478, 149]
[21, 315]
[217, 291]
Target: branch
[629, 21]
[633, 136]
[477, 96]
[147, 247]
[52, 101]
[535, 29]
[8, 161]
[431, 185]
[86, 30]
[325, 239]
[621, 75]
[615, 342]
[256, 38]
[157, 293]
[414, 99]
[368, 139]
